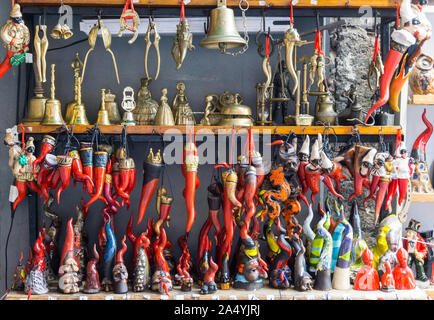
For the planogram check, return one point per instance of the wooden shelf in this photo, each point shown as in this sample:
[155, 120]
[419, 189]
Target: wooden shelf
[421, 99]
[144, 130]
[212, 3]
[266, 293]
[422, 197]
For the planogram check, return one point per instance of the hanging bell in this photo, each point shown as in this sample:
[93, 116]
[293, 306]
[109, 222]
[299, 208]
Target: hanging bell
[222, 33]
[112, 108]
[103, 118]
[53, 107]
[56, 33]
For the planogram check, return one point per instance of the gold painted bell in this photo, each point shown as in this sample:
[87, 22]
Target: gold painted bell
[112, 108]
[57, 32]
[233, 113]
[79, 112]
[222, 33]
[76, 66]
[146, 107]
[36, 108]
[53, 107]
[164, 116]
[103, 118]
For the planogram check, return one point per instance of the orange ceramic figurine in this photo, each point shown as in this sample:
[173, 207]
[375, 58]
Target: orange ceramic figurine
[367, 278]
[402, 274]
[387, 281]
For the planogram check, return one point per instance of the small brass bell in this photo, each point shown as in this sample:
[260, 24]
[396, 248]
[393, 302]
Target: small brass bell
[57, 32]
[128, 104]
[66, 32]
[112, 108]
[53, 107]
[103, 118]
[222, 33]
[76, 66]
[79, 113]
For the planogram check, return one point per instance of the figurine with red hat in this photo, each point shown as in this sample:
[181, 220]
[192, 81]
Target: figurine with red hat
[402, 274]
[416, 248]
[367, 278]
[429, 260]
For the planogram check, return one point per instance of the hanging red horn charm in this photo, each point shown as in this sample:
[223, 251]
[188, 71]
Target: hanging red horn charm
[164, 203]
[100, 163]
[48, 143]
[86, 156]
[131, 181]
[124, 176]
[189, 169]
[48, 165]
[77, 169]
[64, 166]
[151, 174]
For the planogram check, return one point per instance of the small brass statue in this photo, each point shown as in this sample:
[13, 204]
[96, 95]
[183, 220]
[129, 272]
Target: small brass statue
[146, 107]
[182, 42]
[181, 108]
[164, 116]
[211, 115]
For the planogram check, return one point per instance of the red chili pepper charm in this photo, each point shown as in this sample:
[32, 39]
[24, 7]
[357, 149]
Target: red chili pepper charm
[48, 165]
[48, 143]
[100, 162]
[64, 165]
[189, 170]
[77, 169]
[86, 156]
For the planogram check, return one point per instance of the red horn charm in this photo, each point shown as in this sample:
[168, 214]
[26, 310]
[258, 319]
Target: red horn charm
[64, 166]
[100, 164]
[48, 143]
[189, 169]
[418, 150]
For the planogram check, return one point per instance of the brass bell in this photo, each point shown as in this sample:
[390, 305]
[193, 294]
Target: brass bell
[36, 108]
[53, 107]
[66, 32]
[57, 32]
[79, 112]
[222, 33]
[76, 66]
[112, 108]
[103, 118]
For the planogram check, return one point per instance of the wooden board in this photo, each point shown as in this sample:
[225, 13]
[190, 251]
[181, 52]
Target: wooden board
[117, 129]
[420, 99]
[422, 197]
[212, 3]
[233, 294]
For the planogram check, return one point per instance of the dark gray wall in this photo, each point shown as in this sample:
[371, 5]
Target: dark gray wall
[204, 72]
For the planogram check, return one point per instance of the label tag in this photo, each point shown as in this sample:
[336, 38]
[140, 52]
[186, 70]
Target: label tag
[126, 296]
[252, 297]
[232, 297]
[52, 298]
[14, 130]
[187, 2]
[294, 2]
[179, 297]
[82, 298]
[262, 3]
[13, 193]
[146, 297]
[164, 297]
[29, 57]
[270, 297]
[215, 297]
[109, 297]
[314, 2]
[195, 296]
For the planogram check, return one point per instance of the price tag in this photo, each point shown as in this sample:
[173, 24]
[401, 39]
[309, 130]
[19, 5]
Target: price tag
[52, 298]
[82, 298]
[232, 297]
[23, 298]
[262, 3]
[13, 193]
[314, 2]
[310, 297]
[146, 297]
[252, 296]
[109, 297]
[294, 2]
[215, 297]
[270, 297]
[195, 296]
[179, 297]
[164, 297]
[29, 57]
[187, 2]
[126, 296]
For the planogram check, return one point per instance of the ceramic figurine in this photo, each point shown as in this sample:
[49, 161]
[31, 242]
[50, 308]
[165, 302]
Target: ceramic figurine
[387, 281]
[80, 243]
[402, 274]
[393, 243]
[359, 245]
[92, 284]
[416, 248]
[302, 279]
[52, 236]
[146, 107]
[16, 38]
[36, 280]
[108, 258]
[429, 260]
[120, 273]
[420, 180]
[367, 278]
[19, 276]
[68, 277]
[209, 286]
[181, 108]
[161, 279]
[421, 78]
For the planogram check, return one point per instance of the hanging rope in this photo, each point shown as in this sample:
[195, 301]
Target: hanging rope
[292, 14]
[397, 14]
[182, 14]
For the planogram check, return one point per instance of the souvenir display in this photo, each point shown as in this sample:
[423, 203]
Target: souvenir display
[429, 260]
[36, 277]
[53, 106]
[367, 278]
[62, 30]
[232, 112]
[359, 245]
[120, 273]
[112, 108]
[19, 276]
[164, 116]
[103, 118]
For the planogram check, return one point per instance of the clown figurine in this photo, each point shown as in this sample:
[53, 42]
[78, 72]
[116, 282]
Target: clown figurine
[416, 248]
[16, 38]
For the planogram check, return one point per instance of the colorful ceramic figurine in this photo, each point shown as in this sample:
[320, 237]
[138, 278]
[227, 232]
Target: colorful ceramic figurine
[120, 273]
[16, 38]
[416, 248]
[402, 274]
[302, 279]
[387, 281]
[68, 277]
[359, 245]
[108, 258]
[393, 241]
[36, 280]
[19, 276]
[429, 260]
[92, 276]
[51, 240]
[367, 278]
[209, 286]
[420, 180]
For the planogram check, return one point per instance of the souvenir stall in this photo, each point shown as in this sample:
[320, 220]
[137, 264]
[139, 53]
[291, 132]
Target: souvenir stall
[216, 150]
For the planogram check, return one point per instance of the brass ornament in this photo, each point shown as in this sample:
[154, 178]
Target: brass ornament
[112, 108]
[129, 14]
[181, 108]
[154, 158]
[107, 40]
[164, 116]
[128, 104]
[53, 107]
[233, 112]
[146, 107]
[79, 110]
[156, 43]
[211, 115]
[76, 66]
[223, 33]
[182, 42]
[103, 118]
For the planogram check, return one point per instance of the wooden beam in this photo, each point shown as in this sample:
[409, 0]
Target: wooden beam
[212, 3]
[148, 130]
[422, 197]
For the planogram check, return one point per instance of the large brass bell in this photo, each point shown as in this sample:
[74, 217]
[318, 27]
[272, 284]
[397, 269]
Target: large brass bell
[222, 33]
[53, 107]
